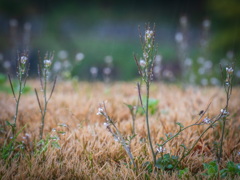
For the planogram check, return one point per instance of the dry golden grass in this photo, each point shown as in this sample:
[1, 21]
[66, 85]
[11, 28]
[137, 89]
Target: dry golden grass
[88, 150]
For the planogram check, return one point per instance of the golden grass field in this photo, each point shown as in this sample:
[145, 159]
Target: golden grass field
[88, 150]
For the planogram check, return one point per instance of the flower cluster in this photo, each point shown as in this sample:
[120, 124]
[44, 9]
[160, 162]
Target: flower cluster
[229, 70]
[23, 60]
[100, 111]
[206, 121]
[142, 63]
[224, 113]
[145, 64]
[160, 149]
[47, 63]
[148, 34]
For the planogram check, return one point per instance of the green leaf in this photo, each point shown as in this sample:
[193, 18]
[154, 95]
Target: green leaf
[55, 145]
[9, 124]
[61, 132]
[129, 106]
[26, 89]
[183, 172]
[180, 124]
[170, 166]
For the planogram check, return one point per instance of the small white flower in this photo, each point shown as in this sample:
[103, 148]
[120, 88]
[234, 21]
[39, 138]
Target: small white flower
[47, 63]
[79, 56]
[224, 112]
[27, 135]
[148, 34]
[206, 120]
[106, 124]
[229, 70]
[23, 59]
[142, 63]
[116, 139]
[160, 149]
[94, 71]
[100, 111]
[107, 71]
[179, 37]
[145, 55]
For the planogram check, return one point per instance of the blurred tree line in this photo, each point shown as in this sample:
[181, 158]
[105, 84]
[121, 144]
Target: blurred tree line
[99, 28]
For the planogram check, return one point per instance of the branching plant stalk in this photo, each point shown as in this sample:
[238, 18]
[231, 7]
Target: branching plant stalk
[190, 150]
[228, 90]
[22, 74]
[165, 142]
[43, 69]
[127, 148]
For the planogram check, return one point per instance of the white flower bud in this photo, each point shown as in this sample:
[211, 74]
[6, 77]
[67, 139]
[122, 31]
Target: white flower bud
[23, 59]
[229, 70]
[160, 149]
[206, 121]
[47, 63]
[142, 63]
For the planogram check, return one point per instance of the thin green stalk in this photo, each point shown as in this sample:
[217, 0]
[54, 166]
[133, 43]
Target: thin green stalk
[147, 122]
[221, 141]
[223, 128]
[178, 133]
[185, 155]
[45, 104]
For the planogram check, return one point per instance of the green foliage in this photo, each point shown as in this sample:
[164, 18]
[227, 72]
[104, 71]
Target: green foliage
[212, 170]
[44, 144]
[12, 147]
[167, 162]
[231, 170]
[5, 87]
[180, 125]
[183, 174]
[152, 106]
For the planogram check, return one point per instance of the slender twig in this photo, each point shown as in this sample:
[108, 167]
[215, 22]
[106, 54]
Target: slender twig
[10, 81]
[54, 84]
[39, 104]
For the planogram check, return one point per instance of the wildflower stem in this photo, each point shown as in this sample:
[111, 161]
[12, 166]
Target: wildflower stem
[178, 134]
[221, 141]
[127, 148]
[147, 122]
[228, 90]
[185, 155]
[45, 103]
[17, 107]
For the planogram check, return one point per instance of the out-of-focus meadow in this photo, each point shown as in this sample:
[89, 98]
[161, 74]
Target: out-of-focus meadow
[88, 150]
[83, 97]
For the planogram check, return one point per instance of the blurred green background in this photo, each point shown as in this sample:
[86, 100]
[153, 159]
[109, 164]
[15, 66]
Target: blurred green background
[100, 28]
